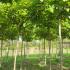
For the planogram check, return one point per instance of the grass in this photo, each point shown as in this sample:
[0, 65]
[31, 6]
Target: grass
[32, 62]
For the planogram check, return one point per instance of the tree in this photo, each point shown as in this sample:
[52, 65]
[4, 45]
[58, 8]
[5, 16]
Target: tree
[62, 10]
[18, 16]
[43, 16]
[3, 23]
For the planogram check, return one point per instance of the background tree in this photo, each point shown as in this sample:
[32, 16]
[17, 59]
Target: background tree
[43, 16]
[62, 10]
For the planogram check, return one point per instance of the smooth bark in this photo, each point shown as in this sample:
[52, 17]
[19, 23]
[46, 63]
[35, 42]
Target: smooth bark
[44, 52]
[49, 45]
[15, 55]
[61, 48]
[1, 53]
[1, 47]
[24, 50]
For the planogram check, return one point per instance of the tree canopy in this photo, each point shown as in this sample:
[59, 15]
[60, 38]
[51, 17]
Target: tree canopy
[34, 18]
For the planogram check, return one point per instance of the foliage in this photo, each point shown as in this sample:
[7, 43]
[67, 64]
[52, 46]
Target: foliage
[34, 19]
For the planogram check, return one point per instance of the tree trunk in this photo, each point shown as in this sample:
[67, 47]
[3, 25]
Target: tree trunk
[49, 44]
[39, 48]
[61, 48]
[1, 53]
[8, 49]
[21, 48]
[21, 55]
[15, 55]
[13, 48]
[52, 48]
[67, 48]
[25, 54]
[56, 49]
[1, 47]
[24, 51]
[44, 52]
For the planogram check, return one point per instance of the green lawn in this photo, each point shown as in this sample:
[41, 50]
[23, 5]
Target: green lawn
[32, 62]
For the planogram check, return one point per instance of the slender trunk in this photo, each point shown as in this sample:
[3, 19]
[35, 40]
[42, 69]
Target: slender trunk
[21, 49]
[61, 48]
[49, 44]
[56, 49]
[61, 56]
[1, 47]
[13, 48]
[1, 53]
[39, 48]
[67, 48]
[15, 55]
[27, 48]
[44, 52]
[21, 55]
[24, 51]
[25, 54]
[52, 48]
[8, 49]
[42, 48]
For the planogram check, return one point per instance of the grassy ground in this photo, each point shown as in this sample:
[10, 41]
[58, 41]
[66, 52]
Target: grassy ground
[33, 62]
